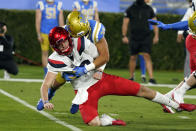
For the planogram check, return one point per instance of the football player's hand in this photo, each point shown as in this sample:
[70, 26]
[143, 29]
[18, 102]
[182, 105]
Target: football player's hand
[74, 108]
[68, 76]
[158, 23]
[48, 106]
[40, 39]
[125, 40]
[79, 71]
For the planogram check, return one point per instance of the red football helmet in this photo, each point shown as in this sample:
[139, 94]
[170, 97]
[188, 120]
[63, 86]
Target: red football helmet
[57, 36]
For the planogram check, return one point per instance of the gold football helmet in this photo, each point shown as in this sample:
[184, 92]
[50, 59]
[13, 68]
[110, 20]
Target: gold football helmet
[192, 23]
[76, 25]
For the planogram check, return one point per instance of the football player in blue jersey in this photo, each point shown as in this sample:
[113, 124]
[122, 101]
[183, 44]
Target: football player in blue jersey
[87, 8]
[48, 15]
[79, 26]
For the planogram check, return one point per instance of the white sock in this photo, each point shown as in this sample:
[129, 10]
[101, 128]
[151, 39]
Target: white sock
[106, 120]
[183, 88]
[162, 99]
[169, 94]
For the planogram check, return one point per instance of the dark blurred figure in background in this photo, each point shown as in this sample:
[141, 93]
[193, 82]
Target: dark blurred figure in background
[182, 36]
[6, 52]
[141, 40]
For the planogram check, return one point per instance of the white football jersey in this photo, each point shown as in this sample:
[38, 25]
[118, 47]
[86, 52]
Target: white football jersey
[84, 52]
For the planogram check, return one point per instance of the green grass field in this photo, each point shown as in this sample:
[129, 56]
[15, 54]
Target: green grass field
[138, 113]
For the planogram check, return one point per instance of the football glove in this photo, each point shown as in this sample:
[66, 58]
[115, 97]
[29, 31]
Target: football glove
[79, 71]
[159, 24]
[74, 108]
[182, 25]
[69, 76]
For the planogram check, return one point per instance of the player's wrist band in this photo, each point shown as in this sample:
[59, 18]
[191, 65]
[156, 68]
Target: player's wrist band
[45, 102]
[90, 67]
[124, 35]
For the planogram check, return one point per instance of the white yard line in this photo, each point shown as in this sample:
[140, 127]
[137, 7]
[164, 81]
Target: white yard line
[151, 85]
[22, 80]
[184, 117]
[49, 116]
[41, 80]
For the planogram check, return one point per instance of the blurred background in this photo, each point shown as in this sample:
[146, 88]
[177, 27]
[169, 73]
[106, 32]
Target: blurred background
[162, 6]
[19, 15]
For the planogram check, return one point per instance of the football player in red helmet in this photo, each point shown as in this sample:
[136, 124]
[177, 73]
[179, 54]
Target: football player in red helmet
[60, 41]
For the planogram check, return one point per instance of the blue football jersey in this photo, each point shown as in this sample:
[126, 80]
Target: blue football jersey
[87, 11]
[97, 31]
[50, 15]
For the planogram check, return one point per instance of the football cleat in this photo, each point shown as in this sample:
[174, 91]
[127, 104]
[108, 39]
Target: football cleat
[152, 82]
[186, 107]
[74, 108]
[40, 104]
[167, 109]
[143, 79]
[119, 123]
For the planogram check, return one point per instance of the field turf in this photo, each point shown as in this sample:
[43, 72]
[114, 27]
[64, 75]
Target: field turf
[139, 114]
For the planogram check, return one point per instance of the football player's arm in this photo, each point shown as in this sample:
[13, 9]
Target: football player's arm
[156, 33]
[48, 81]
[102, 48]
[182, 25]
[38, 15]
[124, 30]
[61, 18]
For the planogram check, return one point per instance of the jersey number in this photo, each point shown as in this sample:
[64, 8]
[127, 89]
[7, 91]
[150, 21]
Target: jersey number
[50, 13]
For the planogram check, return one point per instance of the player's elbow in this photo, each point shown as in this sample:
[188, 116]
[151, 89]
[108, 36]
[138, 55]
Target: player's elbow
[107, 58]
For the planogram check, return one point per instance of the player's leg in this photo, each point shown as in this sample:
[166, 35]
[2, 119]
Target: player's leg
[162, 99]
[133, 58]
[177, 94]
[89, 110]
[45, 49]
[187, 70]
[145, 48]
[120, 86]
[11, 67]
[142, 67]
[149, 67]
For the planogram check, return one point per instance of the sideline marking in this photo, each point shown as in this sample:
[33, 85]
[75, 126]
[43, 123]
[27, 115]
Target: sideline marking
[184, 117]
[49, 116]
[151, 85]
[41, 80]
[22, 80]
